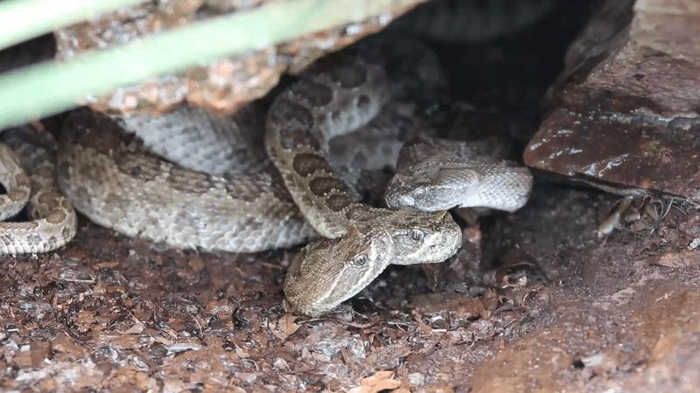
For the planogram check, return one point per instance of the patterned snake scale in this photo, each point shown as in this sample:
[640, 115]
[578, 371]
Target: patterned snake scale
[27, 171]
[266, 178]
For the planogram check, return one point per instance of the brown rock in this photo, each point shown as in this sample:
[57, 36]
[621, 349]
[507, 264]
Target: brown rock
[223, 86]
[647, 49]
[623, 108]
[632, 152]
[676, 259]
[665, 338]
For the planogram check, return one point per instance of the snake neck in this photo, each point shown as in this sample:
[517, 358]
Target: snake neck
[334, 98]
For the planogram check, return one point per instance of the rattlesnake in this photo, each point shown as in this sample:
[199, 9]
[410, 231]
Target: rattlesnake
[436, 174]
[53, 219]
[111, 178]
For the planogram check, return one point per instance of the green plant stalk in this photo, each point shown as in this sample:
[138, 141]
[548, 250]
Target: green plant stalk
[52, 87]
[22, 20]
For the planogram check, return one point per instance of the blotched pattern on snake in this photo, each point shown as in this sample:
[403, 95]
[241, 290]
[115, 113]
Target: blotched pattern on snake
[207, 201]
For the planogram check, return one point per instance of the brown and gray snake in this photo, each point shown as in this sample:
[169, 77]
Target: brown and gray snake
[266, 178]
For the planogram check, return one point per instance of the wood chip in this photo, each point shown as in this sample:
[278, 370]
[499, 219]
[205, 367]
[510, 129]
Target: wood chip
[285, 327]
[676, 259]
[381, 380]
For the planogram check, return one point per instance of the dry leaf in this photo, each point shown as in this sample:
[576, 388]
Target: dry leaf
[39, 351]
[137, 328]
[285, 326]
[64, 344]
[242, 353]
[434, 303]
[23, 358]
[163, 340]
[381, 380]
[196, 264]
[86, 317]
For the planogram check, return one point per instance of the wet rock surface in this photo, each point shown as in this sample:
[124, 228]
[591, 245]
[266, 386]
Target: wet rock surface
[633, 153]
[623, 113]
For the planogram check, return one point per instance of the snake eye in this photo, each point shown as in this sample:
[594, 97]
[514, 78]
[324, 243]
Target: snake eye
[417, 234]
[420, 194]
[360, 260]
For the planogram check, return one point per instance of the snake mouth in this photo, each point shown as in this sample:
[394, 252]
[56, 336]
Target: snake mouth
[449, 242]
[444, 249]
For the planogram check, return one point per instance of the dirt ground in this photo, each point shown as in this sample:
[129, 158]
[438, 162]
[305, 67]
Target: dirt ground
[552, 308]
[573, 313]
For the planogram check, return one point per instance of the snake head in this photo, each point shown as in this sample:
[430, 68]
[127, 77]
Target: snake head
[422, 237]
[431, 188]
[329, 271]
[434, 187]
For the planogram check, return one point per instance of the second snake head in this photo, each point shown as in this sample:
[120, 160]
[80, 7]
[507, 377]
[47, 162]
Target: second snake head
[329, 271]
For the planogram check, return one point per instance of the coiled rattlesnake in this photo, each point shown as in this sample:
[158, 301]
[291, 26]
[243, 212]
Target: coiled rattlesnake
[112, 178]
[53, 219]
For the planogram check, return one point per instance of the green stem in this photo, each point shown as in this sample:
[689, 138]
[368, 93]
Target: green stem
[22, 20]
[52, 87]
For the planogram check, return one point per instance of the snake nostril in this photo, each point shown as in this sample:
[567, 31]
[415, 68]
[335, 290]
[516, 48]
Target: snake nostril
[363, 101]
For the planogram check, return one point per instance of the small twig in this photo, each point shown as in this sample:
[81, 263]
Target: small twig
[685, 213]
[632, 231]
[663, 216]
[78, 281]
[270, 265]
[363, 316]
[398, 325]
[199, 326]
[342, 322]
